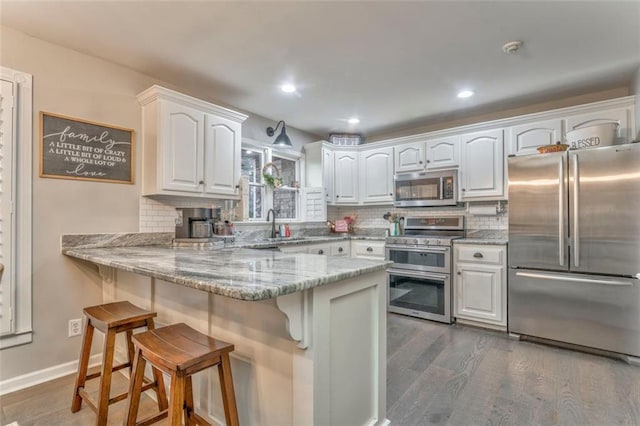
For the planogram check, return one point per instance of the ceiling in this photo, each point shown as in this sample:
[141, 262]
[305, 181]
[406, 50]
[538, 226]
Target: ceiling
[389, 63]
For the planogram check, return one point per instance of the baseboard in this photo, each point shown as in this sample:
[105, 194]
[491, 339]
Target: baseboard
[44, 375]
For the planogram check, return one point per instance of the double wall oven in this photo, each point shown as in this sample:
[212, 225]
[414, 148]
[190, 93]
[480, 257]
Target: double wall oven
[420, 277]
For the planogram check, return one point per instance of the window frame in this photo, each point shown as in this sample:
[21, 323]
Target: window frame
[264, 154]
[268, 154]
[21, 285]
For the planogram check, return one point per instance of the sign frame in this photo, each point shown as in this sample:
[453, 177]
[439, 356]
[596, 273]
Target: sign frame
[107, 179]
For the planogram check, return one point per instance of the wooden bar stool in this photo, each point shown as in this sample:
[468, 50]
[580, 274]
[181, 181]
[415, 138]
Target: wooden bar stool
[181, 351]
[112, 318]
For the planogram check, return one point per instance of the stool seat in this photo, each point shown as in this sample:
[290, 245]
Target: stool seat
[180, 351]
[180, 347]
[115, 314]
[111, 319]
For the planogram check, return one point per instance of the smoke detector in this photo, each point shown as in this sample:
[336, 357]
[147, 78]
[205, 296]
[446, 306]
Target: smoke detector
[512, 46]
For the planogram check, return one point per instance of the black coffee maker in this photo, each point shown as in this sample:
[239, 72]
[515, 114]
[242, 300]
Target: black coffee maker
[196, 222]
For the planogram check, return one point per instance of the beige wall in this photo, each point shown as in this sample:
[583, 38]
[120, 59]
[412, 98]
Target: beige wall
[472, 118]
[70, 83]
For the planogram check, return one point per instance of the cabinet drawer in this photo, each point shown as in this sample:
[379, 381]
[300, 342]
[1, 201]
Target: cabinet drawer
[371, 249]
[480, 254]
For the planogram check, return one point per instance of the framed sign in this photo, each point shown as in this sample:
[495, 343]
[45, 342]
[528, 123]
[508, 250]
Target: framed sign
[71, 148]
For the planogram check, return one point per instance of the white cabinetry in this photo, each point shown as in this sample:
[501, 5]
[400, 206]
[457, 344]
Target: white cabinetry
[433, 154]
[346, 177]
[622, 116]
[376, 176]
[368, 249]
[443, 152]
[482, 165]
[328, 175]
[480, 284]
[410, 157]
[190, 147]
[525, 138]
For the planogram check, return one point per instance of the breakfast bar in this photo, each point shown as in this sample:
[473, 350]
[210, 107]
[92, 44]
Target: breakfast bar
[309, 330]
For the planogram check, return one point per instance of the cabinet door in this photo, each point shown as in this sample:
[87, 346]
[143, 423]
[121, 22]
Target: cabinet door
[622, 116]
[443, 152]
[346, 177]
[182, 130]
[376, 176]
[480, 294]
[222, 156]
[328, 175]
[410, 157]
[482, 165]
[525, 138]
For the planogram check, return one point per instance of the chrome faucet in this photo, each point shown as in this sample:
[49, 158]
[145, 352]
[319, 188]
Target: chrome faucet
[273, 222]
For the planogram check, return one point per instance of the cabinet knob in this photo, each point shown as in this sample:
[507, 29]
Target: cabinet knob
[463, 189]
[201, 182]
[391, 193]
[237, 186]
[320, 251]
[428, 161]
[340, 250]
[459, 273]
[420, 162]
[478, 255]
[369, 249]
[337, 196]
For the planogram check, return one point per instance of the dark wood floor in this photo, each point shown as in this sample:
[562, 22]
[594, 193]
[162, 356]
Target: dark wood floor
[440, 374]
[437, 374]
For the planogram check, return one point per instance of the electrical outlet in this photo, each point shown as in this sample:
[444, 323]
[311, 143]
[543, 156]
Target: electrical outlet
[75, 327]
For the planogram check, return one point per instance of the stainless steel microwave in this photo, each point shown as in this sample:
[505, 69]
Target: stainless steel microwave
[425, 189]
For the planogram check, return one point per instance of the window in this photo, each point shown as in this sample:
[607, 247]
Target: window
[261, 197]
[15, 207]
[285, 198]
[252, 163]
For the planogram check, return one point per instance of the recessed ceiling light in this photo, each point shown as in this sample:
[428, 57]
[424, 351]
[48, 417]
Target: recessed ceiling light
[288, 88]
[353, 120]
[465, 94]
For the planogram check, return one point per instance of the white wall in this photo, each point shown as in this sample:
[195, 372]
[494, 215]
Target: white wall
[70, 83]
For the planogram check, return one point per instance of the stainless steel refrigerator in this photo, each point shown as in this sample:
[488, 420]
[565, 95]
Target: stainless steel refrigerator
[574, 247]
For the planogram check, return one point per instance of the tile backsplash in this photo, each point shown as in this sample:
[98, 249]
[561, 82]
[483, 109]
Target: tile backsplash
[159, 215]
[371, 216]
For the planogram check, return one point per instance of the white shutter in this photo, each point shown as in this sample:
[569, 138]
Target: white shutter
[7, 224]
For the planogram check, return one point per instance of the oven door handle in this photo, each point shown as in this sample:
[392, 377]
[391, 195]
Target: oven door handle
[405, 273]
[420, 249]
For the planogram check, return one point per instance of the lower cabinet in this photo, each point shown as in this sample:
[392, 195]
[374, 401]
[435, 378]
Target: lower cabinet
[480, 284]
[366, 249]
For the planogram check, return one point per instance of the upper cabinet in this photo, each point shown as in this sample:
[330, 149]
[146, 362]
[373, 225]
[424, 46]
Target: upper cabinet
[328, 175]
[410, 157]
[346, 177]
[524, 139]
[482, 165]
[190, 147]
[376, 176]
[433, 154]
[443, 152]
[621, 116]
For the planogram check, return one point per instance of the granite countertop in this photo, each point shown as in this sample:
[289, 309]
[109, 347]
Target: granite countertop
[485, 236]
[238, 273]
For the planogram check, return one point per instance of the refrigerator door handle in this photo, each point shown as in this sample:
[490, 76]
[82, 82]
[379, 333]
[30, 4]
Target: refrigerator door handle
[573, 279]
[576, 204]
[561, 206]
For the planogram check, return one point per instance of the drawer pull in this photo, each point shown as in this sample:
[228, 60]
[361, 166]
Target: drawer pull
[478, 255]
[340, 250]
[369, 249]
[320, 251]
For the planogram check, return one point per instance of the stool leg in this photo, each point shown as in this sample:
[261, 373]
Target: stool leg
[105, 377]
[135, 389]
[158, 379]
[83, 364]
[228, 396]
[188, 403]
[130, 350]
[176, 400]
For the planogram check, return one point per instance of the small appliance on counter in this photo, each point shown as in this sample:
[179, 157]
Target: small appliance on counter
[196, 222]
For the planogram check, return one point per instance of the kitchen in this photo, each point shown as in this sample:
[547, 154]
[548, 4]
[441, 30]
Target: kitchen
[80, 85]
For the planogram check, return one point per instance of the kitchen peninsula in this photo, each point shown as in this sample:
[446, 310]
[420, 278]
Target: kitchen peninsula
[309, 331]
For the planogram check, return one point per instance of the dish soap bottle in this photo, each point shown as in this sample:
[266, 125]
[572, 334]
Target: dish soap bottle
[287, 231]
